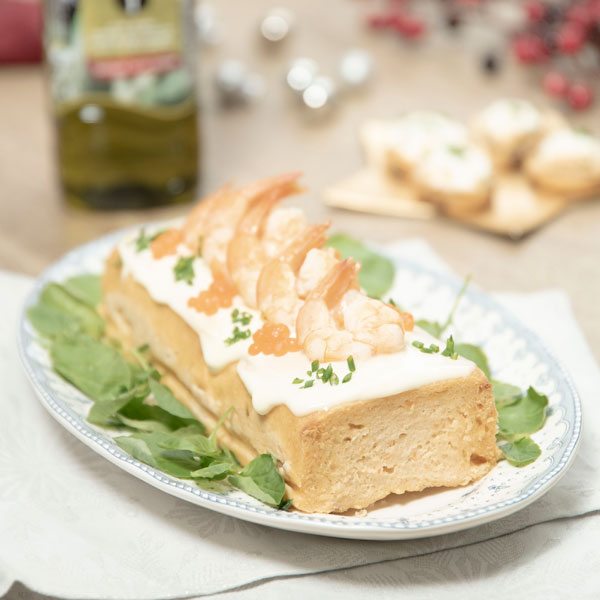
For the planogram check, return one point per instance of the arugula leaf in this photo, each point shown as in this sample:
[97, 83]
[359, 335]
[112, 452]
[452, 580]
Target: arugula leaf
[475, 354]
[525, 415]
[166, 400]
[377, 272]
[86, 288]
[184, 269]
[58, 298]
[98, 370]
[504, 393]
[522, 452]
[261, 480]
[437, 329]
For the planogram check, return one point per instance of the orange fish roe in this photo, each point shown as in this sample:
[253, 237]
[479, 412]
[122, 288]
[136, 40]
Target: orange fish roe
[408, 321]
[220, 294]
[166, 243]
[273, 338]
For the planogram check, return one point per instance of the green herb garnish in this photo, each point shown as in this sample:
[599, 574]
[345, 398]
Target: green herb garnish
[238, 335]
[308, 383]
[431, 349]
[184, 269]
[143, 241]
[449, 349]
[351, 365]
[347, 378]
[456, 150]
[241, 317]
[437, 329]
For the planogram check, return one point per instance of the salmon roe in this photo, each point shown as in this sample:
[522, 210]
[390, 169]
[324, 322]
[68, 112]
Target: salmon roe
[273, 338]
[166, 243]
[220, 294]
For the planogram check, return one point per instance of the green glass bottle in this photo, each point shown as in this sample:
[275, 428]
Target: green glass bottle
[124, 101]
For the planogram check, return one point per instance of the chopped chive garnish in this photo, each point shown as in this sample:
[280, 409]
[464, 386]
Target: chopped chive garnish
[449, 349]
[347, 378]
[351, 364]
[334, 379]
[308, 383]
[297, 380]
[314, 365]
[418, 344]
[434, 348]
[237, 335]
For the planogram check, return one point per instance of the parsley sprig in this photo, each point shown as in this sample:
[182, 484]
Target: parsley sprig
[184, 269]
[324, 374]
[143, 241]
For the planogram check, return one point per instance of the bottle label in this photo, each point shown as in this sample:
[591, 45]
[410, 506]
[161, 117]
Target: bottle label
[123, 38]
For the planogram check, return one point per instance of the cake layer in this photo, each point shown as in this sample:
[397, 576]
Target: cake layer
[349, 456]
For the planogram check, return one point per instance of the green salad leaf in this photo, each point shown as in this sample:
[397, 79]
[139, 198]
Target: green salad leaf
[474, 354]
[523, 416]
[98, 370]
[504, 393]
[166, 400]
[261, 479]
[521, 452]
[377, 272]
[86, 288]
[128, 395]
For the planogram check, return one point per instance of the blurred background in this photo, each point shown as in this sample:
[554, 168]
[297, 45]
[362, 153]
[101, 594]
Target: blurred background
[227, 100]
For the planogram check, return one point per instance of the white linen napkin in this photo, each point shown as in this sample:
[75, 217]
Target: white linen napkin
[73, 525]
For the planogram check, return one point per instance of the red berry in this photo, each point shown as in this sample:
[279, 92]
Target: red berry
[378, 21]
[580, 14]
[555, 84]
[530, 48]
[570, 38]
[535, 10]
[412, 28]
[580, 96]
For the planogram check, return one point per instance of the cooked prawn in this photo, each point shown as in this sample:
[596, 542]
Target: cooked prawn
[246, 254]
[276, 292]
[338, 321]
[212, 224]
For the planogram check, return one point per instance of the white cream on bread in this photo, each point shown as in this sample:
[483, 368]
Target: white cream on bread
[267, 378]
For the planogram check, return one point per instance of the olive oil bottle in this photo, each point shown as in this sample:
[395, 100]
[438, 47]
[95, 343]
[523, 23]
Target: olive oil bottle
[124, 103]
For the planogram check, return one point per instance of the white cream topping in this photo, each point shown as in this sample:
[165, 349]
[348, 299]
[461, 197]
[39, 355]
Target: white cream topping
[418, 132]
[507, 119]
[269, 379]
[569, 144]
[455, 169]
[158, 277]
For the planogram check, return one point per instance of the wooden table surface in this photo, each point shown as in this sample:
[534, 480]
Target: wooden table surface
[275, 135]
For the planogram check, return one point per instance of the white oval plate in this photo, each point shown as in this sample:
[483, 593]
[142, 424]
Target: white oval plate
[516, 356]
